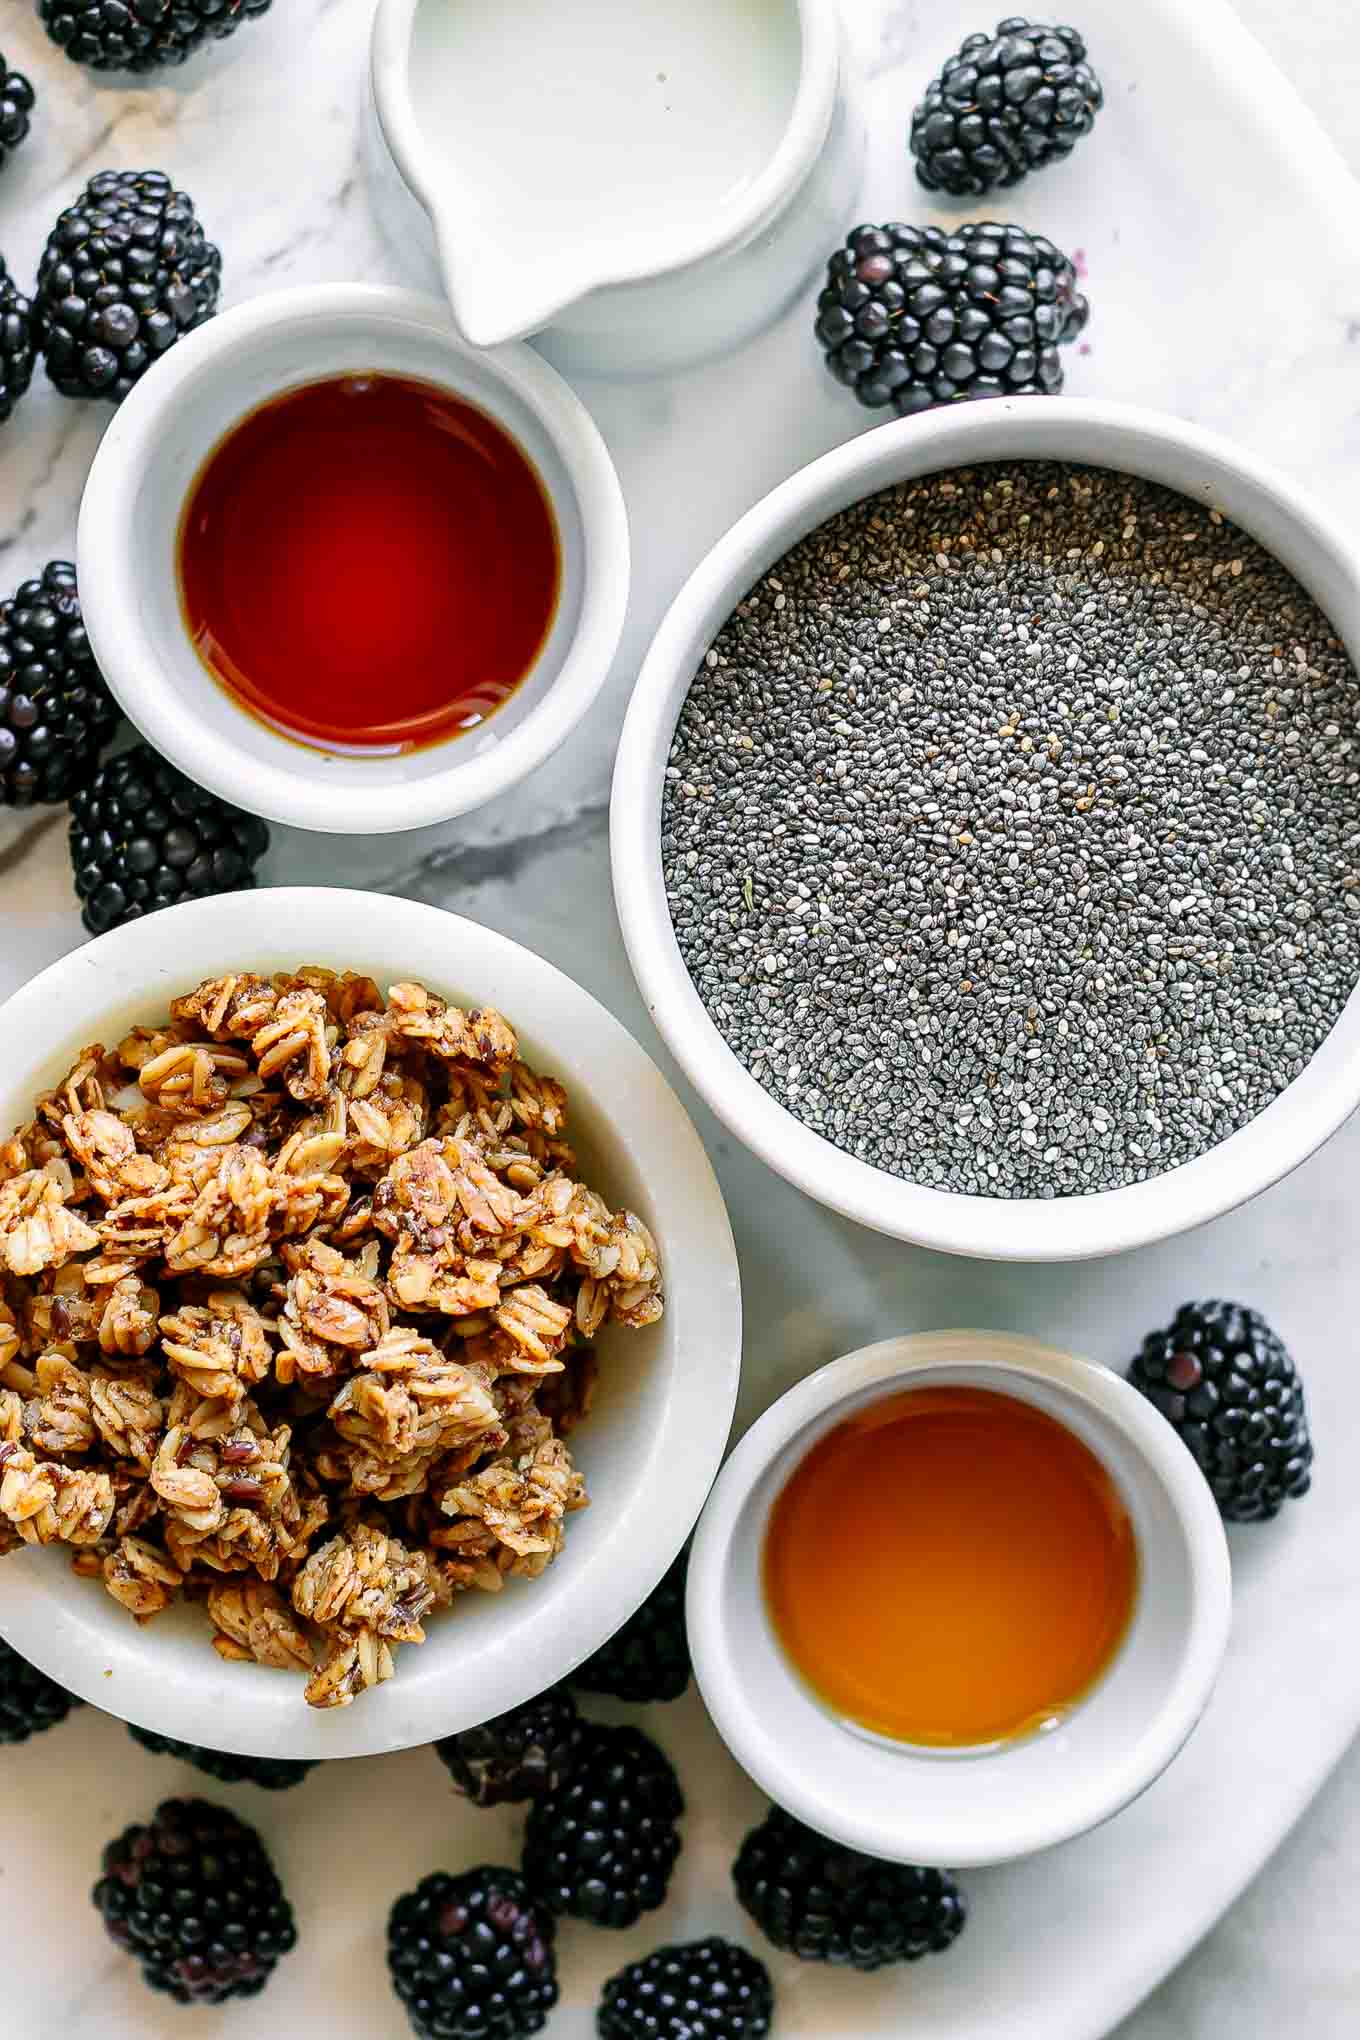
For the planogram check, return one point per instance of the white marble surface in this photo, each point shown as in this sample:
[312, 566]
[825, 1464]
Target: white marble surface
[1284, 1959]
[1185, 230]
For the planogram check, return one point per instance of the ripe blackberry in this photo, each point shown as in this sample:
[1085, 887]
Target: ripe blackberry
[1005, 105]
[913, 317]
[603, 1844]
[472, 1957]
[143, 836]
[194, 1897]
[142, 35]
[126, 273]
[1224, 1379]
[16, 104]
[698, 1990]
[29, 1700]
[648, 1659]
[519, 1755]
[825, 1903]
[56, 714]
[18, 347]
[275, 1774]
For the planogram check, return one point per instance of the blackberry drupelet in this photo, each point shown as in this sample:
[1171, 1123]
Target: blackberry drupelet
[602, 1846]
[1005, 105]
[143, 836]
[29, 1700]
[56, 714]
[194, 1897]
[1224, 1379]
[519, 1755]
[472, 1957]
[697, 1990]
[16, 104]
[275, 1774]
[648, 1659]
[825, 1903]
[125, 273]
[912, 316]
[18, 343]
[142, 35]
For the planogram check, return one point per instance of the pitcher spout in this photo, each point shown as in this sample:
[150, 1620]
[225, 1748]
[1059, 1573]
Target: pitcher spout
[498, 291]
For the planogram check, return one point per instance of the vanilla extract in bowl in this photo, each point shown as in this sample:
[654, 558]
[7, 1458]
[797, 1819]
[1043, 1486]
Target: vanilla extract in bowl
[369, 562]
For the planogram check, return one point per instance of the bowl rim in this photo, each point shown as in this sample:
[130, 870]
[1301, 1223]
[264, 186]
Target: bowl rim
[780, 1767]
[189, 1693]
[110, 574]
[1126, 438]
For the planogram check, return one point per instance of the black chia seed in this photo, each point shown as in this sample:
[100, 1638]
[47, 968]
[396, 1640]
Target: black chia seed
[1011, 830]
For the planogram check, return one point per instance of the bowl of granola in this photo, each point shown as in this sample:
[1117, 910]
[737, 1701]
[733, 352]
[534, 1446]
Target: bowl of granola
[339, 1272]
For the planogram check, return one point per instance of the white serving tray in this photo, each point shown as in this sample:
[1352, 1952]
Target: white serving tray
[1221, 235]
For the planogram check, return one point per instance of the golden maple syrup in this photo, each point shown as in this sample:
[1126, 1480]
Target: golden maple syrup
[950, 1567]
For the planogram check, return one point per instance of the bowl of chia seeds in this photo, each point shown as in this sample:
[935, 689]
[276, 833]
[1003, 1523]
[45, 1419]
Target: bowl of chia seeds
[986, 828]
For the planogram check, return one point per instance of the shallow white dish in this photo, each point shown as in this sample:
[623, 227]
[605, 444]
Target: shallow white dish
[1320, 553]
[129, 522]
[919, 1806]
[649, 1449]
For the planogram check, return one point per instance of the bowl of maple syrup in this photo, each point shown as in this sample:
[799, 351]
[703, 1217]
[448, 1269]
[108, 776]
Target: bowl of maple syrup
[346, 571]
[957, 1597]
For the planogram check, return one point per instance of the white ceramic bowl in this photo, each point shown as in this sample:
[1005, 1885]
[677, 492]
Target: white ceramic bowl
[922, 1806]
[129, 518]
[1201, 466]
[652, 1443]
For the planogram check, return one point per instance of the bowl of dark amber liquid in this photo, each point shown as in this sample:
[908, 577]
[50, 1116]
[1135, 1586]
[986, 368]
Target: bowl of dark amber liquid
[347, 572]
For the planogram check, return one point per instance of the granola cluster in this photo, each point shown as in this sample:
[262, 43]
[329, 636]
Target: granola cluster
[297, 1291]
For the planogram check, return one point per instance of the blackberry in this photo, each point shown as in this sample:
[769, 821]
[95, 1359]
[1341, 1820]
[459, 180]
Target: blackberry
[912, 316]
[143, 836]
[826, 1903]
[194, 1897]
[648, 1659]
[18, 346]
[472, 1957]
[125, 274]
[29, 1700]
[142, 35]
[1224, 1379]
[698, 1990]
[602, 1845]
[56, 714]
[16, 104]
[275, 1774]
[1005, 105]
[519, 1755]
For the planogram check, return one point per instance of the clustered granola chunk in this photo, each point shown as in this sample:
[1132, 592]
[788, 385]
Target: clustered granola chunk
[297, 1295]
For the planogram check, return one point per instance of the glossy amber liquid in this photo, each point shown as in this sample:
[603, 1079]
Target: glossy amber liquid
[368, 563]
[950, 1566]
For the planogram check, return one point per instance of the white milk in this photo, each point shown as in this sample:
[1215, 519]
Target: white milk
[590, 123]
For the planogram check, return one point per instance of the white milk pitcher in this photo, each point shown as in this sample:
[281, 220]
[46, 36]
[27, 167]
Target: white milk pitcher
[640, 182]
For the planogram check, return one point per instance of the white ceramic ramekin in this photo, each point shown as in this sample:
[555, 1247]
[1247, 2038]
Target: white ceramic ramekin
[129, 520]
[654, 1436]
[924, 1806]
[1201, 466]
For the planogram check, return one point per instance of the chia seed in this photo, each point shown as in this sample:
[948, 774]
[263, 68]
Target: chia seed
[1011, 830]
